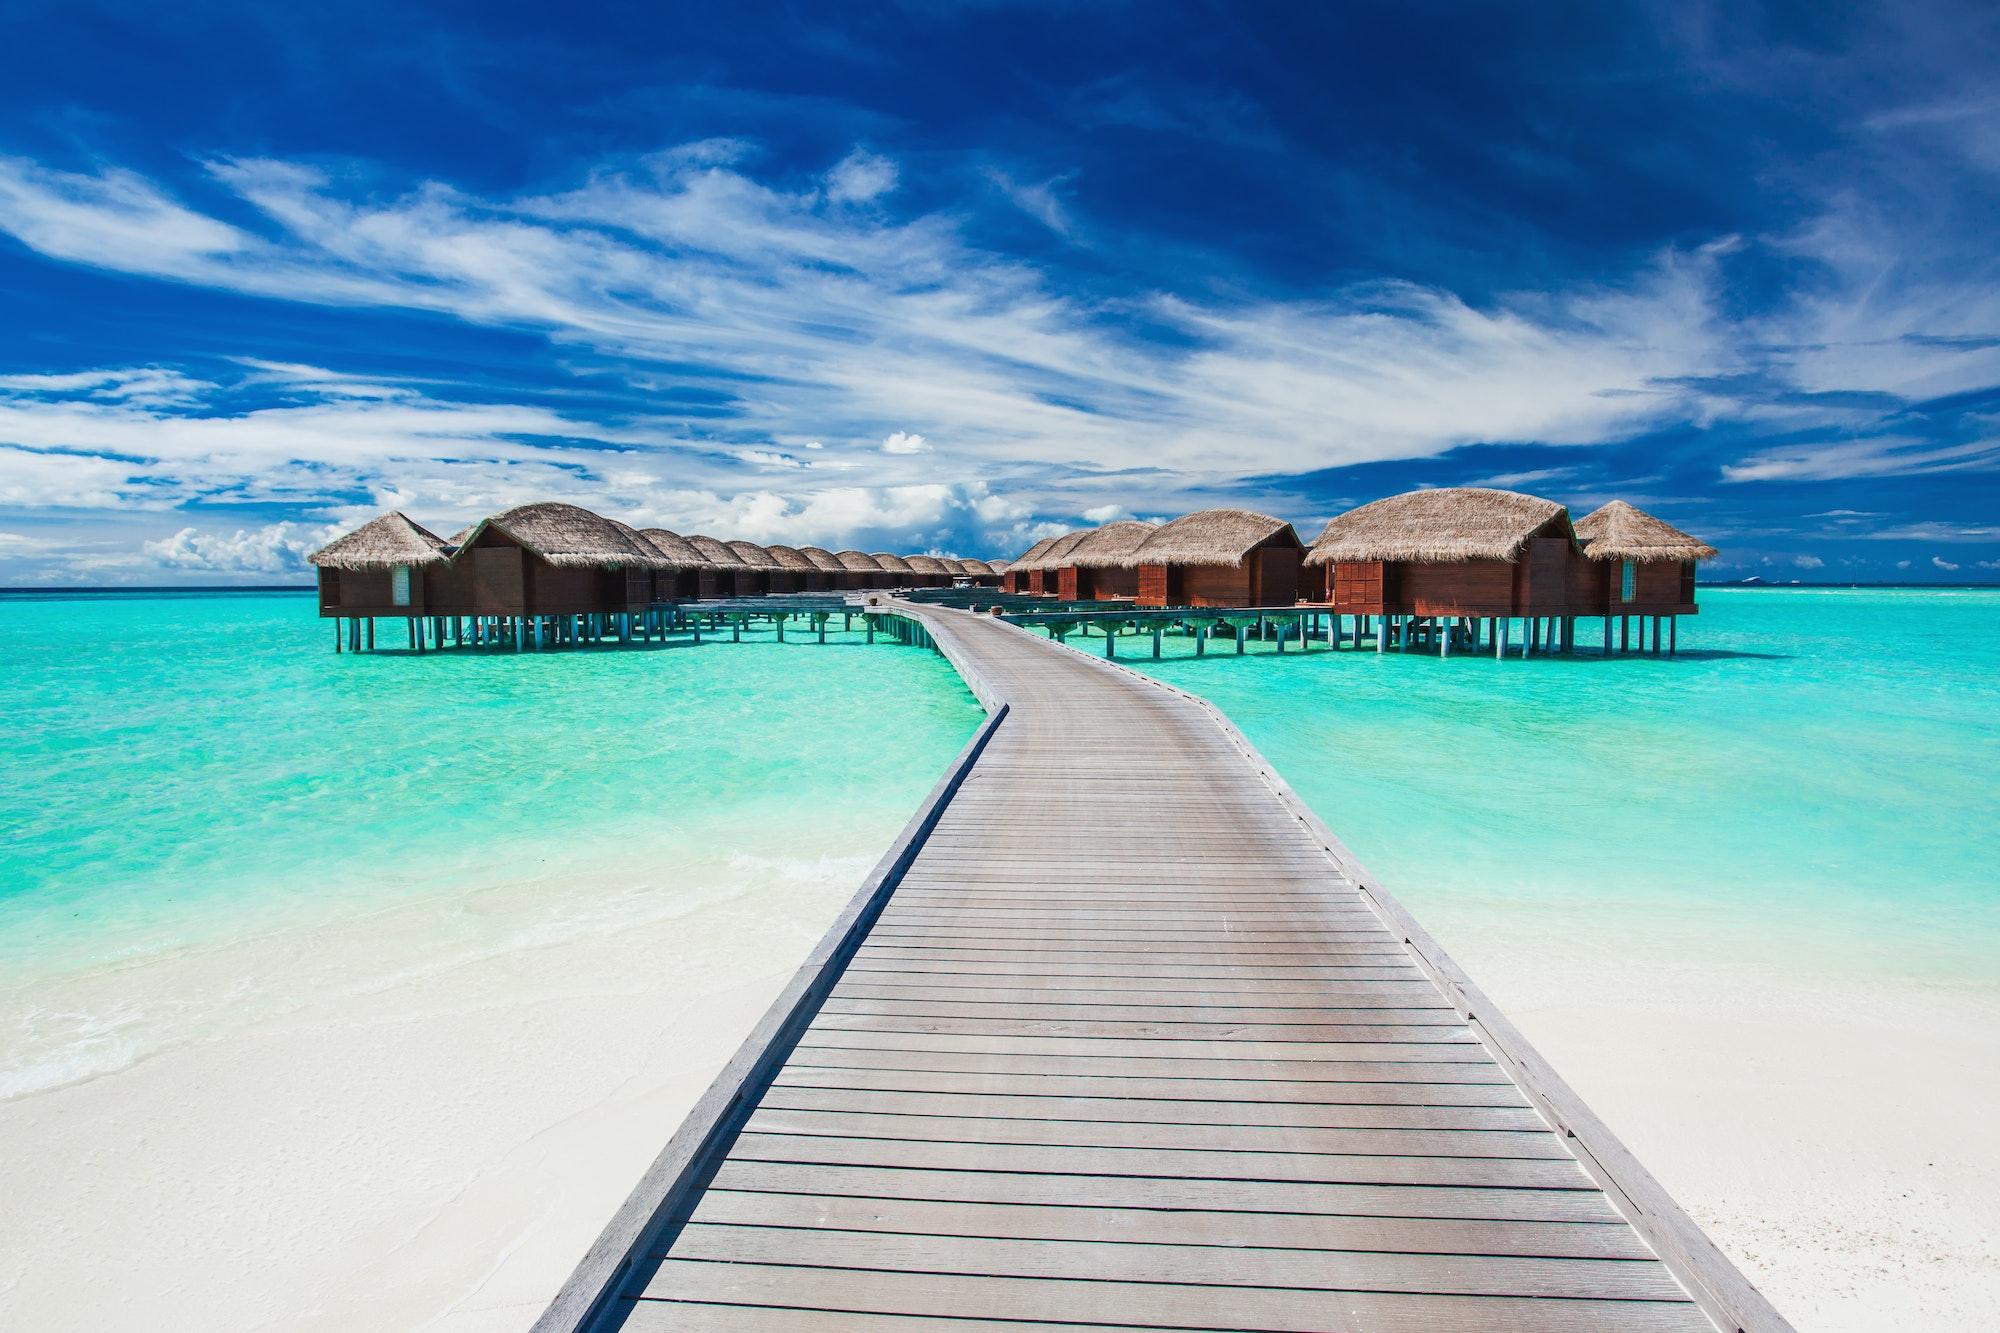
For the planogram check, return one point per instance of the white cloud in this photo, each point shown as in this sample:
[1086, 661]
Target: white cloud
[903, 442]
[1943, 563]
[1887, 457]
[804, 316]
[860, 176]
[1102, 513]
[1808, 561]
[275, 548]
[1037, 201]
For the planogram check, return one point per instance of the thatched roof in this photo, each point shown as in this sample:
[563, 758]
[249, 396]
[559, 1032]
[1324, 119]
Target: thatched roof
[1054, 552]
[970, 568]
[1445, 525]
[930, 564]
[1619, 531]
[718, 554]
[895, 564]
[754, 555]
[998, 566]
[1108, 546]
[794, 560]
[823, 560]
[382, 543]
[1209, 537]
[638, 539]
[856, 562]
[565, 534]
[674, 549]
[1026, 560]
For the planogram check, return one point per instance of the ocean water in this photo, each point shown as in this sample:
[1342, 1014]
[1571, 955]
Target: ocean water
[181, 774]
[1811, 784]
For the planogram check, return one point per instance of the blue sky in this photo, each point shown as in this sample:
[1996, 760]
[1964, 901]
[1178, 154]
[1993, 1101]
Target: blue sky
[954, 276]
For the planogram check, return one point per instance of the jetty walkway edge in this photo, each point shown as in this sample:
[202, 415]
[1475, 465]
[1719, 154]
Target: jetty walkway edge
[1118, 1034]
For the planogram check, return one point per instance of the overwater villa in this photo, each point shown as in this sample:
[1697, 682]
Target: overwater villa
[863, 571]
[898, 570]
[1044, 570]
[1098, 567]
[377, 569]
[794, 572]
[768, 574]
[930, 571]
[725, 575]
[679, 577]
[1448, 561]
[1641, 566]
[827, 572]
[1218, 557]
[1024, 572]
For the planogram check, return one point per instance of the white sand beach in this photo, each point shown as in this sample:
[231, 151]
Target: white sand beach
[431, 1144]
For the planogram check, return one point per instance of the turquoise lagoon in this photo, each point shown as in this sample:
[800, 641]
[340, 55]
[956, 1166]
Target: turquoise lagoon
[1811, 784]
[182, 773]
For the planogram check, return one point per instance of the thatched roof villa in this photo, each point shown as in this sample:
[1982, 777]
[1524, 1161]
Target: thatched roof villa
[1218, 557]
[726, 575]
[1641, 565]
[1098, 567]
[898, 569]
[763, 566]
[931, 572]
[548, 559]
[1459, 551]
[1043, 572]
[377, 568]
[1023, 566]
[794, 572]
[863, 570]
[679, 578]
[828, 572]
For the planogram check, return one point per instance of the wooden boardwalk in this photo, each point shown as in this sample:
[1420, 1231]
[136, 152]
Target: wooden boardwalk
[1119, 1037]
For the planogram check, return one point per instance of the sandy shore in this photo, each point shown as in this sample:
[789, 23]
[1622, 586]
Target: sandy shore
[428, 1144]
[1830, 1132]
[434, 1143]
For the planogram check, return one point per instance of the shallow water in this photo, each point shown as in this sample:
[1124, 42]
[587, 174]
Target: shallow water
[1812, 778]
[183, 773]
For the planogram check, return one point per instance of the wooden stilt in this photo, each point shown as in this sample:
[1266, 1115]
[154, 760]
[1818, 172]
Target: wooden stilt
[1499, 630]
[1673, 635]
[371, 634]
[1381, 632]
[1156, 642]
[1240, 649]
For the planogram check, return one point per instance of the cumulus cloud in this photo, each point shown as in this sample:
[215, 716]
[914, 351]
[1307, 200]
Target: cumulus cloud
[1102, 513]
[1943, 563]
[275, 548]
[860, 176]
[904, 442]
[1808, 561]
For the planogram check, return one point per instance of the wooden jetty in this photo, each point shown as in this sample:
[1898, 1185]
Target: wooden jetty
[1119, 1036]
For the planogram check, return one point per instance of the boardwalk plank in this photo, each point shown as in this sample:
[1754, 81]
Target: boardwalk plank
[1128, 1047]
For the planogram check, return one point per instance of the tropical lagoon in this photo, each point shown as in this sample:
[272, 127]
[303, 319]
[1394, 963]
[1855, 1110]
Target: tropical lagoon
[388, 952]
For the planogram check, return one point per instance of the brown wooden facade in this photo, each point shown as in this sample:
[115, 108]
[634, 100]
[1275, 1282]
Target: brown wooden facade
[1549, 578]
[1267, 576]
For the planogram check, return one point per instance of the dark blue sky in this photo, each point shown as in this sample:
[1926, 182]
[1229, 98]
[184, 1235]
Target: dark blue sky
[955, 275]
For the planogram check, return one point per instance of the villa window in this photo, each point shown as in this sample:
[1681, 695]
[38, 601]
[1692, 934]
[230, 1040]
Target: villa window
[1628, 582]
[399, 586]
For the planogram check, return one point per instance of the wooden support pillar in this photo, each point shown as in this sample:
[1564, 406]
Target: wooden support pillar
[1656, 636]
[1499, 637]
[1156, 641]
[1381, 632]
[1624, 634]
[1444, 640]
[371, 634]
[1200, 641]
[779, 621]
[1673, 635]
[1241, 631]
[871, 629]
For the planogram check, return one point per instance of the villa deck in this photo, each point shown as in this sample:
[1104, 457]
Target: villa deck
[1119, 1036]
